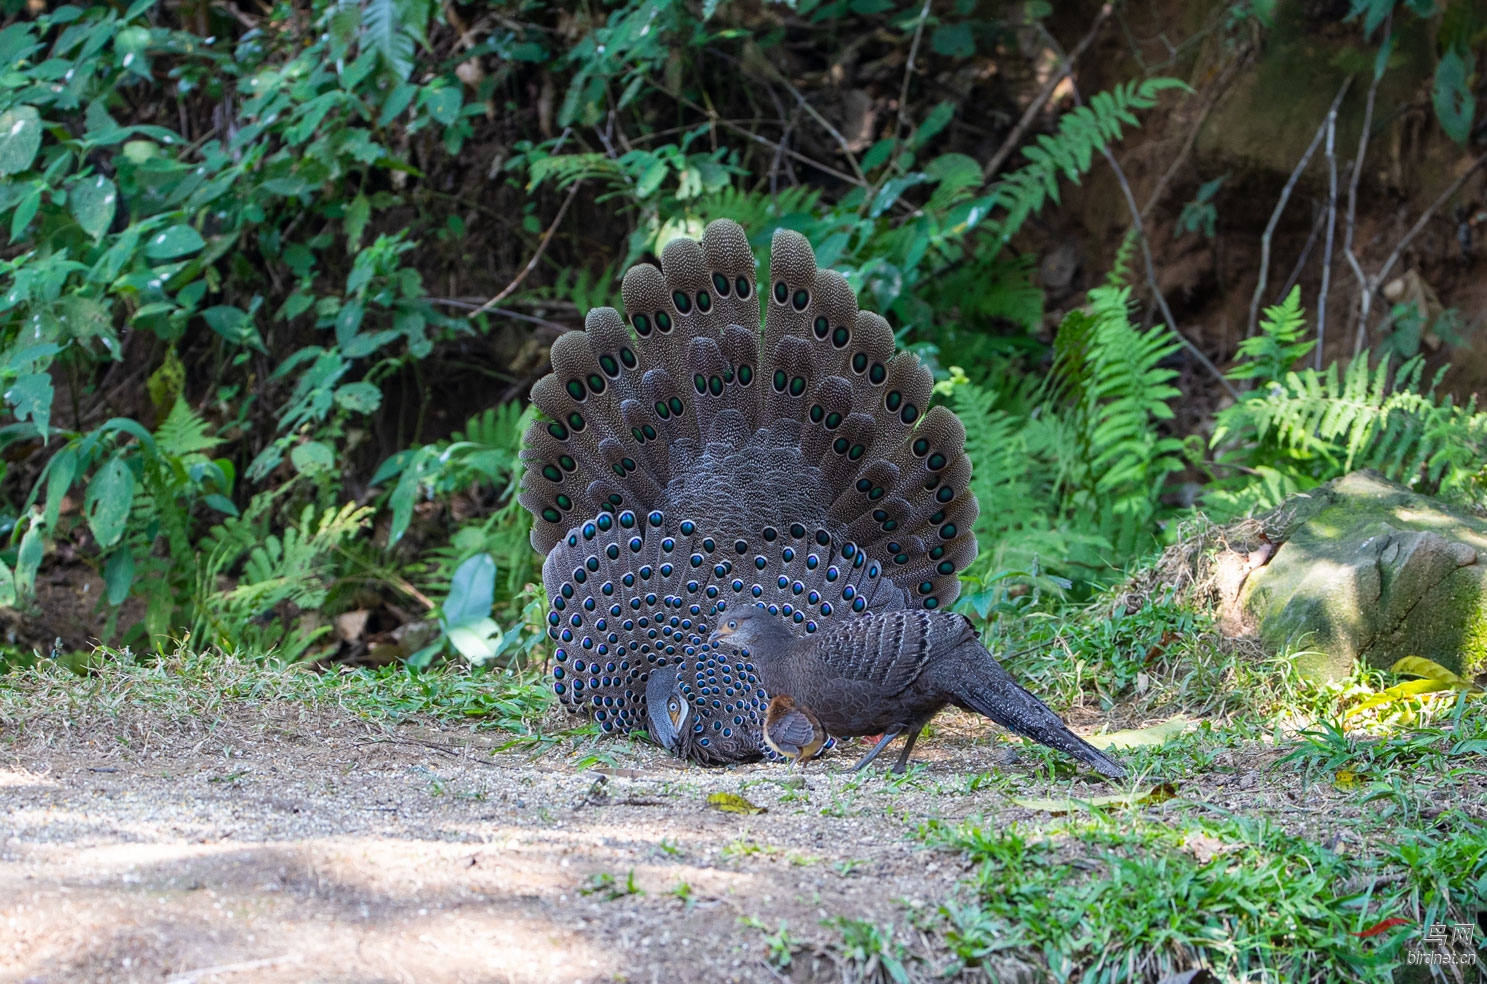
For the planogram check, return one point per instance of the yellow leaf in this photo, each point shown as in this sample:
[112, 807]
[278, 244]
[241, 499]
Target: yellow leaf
[1157, 734]
[733, 803]
[1399, 692]
[1141, 797]
[1418, 666]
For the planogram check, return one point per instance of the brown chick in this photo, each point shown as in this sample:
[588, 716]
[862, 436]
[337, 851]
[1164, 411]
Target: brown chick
[792, 730]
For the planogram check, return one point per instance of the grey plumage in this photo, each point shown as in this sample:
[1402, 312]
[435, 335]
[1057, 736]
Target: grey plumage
[684, 460]
[889, 673]
[691, 463]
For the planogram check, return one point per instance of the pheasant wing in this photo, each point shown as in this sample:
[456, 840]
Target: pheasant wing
[886, 649]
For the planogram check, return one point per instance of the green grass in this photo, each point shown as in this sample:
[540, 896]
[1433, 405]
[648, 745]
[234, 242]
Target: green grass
[202, 686]
[1127, 899]
[1336, 827]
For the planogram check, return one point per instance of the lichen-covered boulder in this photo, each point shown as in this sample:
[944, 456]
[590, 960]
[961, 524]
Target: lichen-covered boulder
[1370, 571]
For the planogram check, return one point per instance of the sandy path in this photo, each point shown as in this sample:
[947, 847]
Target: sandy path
[326, 849]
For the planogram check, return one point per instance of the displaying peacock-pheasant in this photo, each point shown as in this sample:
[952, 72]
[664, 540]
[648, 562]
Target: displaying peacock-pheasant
[690, 464]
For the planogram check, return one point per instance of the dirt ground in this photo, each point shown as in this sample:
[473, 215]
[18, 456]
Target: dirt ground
[325, 848]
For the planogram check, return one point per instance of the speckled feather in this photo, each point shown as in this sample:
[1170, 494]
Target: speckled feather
[689, 408]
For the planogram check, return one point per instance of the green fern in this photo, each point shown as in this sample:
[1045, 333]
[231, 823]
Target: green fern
[1300, 428]
[282, 575]
[1067, 154]
[1108, 374]
[1280, 344]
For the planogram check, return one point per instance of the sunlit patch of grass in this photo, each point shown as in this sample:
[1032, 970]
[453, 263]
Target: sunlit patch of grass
[194, 689]
[1131, 898]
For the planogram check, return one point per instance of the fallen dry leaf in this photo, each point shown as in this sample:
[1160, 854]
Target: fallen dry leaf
[733, 803]
[1140, 797]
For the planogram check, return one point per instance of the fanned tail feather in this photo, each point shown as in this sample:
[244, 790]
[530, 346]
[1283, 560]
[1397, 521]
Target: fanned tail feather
[636, 406]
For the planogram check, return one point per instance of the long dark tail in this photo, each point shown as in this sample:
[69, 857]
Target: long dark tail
[983, 686]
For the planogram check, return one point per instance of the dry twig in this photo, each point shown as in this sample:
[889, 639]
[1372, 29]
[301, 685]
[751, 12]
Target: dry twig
[1065, 69]
[1331, 228]
[537, 255]
[1151, 270]
[1365, 295]
[1280, 206]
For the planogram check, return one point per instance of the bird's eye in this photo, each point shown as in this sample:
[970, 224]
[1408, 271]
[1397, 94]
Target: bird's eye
[733, 624]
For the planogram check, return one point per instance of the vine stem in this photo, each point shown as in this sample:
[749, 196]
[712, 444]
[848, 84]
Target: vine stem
[537, 255]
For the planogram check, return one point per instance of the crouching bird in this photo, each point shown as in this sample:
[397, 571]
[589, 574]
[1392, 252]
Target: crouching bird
[793, 731]
[890, 673]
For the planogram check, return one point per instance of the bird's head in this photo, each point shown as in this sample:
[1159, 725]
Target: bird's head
[753, 629]
[667, 708]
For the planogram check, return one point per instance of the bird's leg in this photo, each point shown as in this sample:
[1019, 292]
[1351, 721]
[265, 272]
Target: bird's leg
[903, 758]
[888, 736]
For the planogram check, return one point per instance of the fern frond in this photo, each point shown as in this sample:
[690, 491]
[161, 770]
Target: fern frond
[184, 432]
[1280, 343]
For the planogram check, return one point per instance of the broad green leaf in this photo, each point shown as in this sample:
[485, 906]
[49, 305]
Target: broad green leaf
[443, 103]
[357, 214]
[20, 139]
[477, 641]
[233, 324]
[30, 396]
[59, 475]
[132, 43]
[118, 575]
[359, 397]
[472, 591]
[221, 503]
[892, 189]
[7, 586]
[953, 41]
[28, 558]
[311, 457]
[934, 121]
[178, 240]
[392, 466]
[20, 221]
[650, 178]
[1452, 94]
[93, 201]
[108, 500]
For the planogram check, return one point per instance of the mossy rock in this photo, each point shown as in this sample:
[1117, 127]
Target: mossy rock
[1370, 571]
